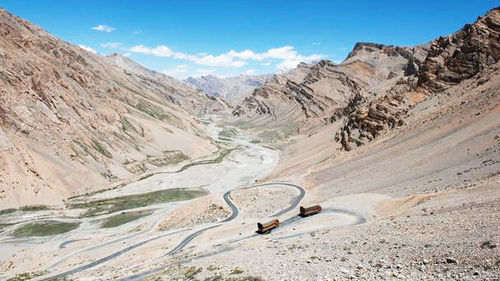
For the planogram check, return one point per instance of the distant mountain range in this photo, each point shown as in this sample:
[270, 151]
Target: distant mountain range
[232, 89]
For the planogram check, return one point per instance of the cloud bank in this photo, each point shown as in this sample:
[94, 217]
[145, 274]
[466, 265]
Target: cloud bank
[111, 45]
[287, 56]
[87, 48]
[103, 28]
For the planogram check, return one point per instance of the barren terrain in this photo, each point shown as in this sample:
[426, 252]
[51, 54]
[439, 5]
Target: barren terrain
[400, 147]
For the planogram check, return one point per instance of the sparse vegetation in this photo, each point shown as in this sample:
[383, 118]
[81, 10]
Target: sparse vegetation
[228, 133]
[192, 271]
[44, 228]
[101, 149]
[128, 127]
[170, 158]
[213, 267]
[243, 278]
[222, 154]
[33, 208]
[278, 134]
[107, 206]
[124, 218]
[150, 109]
[236, 270]
[4, 225]
[137, 168]
[26, 276]
[7, 211]
[28, 208]
[180, 272]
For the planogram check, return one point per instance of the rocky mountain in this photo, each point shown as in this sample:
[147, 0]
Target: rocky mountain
[72, 121]
[463, 54]
[232, 89]
[314, 94]
[449, 61]
[374, 88]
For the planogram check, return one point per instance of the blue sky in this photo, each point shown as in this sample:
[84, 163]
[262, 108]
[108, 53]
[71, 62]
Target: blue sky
[228, 38]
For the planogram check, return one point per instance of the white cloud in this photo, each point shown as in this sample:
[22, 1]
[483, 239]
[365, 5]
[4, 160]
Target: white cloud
[220, 60]
[266, 64]
[209, 60]
[250, 72]
[160, 51]
[205, 71]
[293, 62]
[316, 43]
[287, 54]
[103, 27]
[111, 45]
[284, 53]
[127, 54]
[288, 64]
[87, 48]
[180, 71]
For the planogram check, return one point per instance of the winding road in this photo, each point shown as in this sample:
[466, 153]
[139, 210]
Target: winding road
[186, 240]
[95, 247]
[292, 206]
[179, 246]
[290, 221]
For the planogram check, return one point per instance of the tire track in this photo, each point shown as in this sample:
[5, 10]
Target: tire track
[62, 260]
[105, 259]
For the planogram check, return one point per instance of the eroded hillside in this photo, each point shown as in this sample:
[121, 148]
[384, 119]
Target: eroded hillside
[71, 122]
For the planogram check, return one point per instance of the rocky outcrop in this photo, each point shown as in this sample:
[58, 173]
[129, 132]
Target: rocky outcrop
[449, 61]
[323, 92]
[462, 55]
[253, 104]
[369, 122]
[390, 50]
[313, 91]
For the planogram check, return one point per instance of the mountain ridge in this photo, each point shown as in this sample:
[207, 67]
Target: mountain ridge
[71, 123]
[372, 90]
[232, 89]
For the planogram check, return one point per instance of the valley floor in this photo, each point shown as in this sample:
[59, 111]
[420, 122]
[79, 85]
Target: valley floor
[422, 203]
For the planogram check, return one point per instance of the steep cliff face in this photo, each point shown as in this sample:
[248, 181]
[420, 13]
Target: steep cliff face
[449, 61]
[463, 54]
[72, 122]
